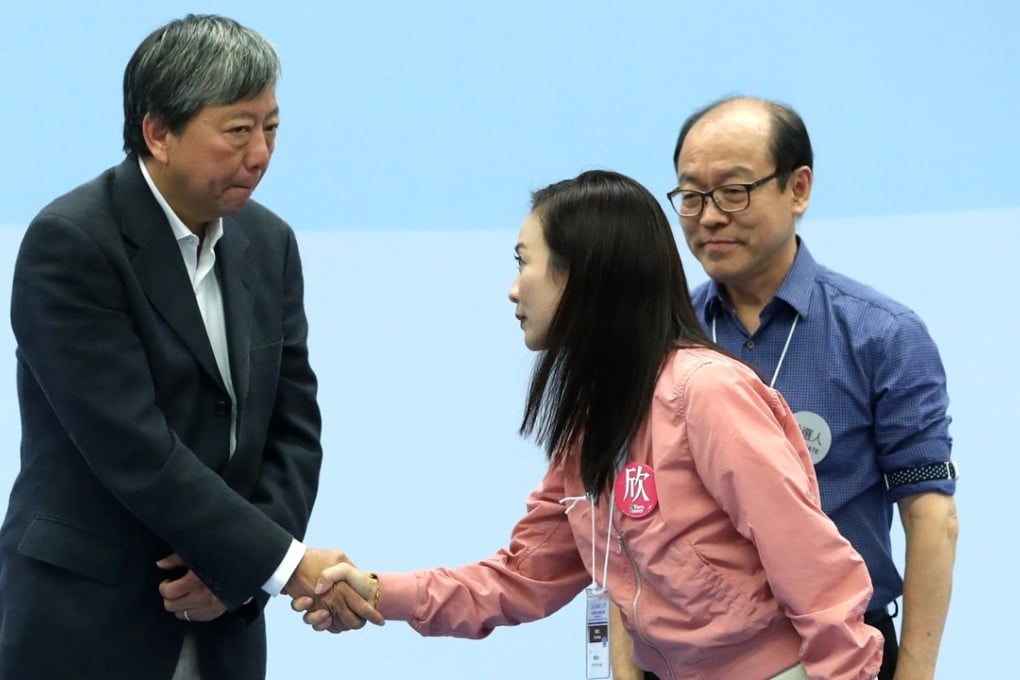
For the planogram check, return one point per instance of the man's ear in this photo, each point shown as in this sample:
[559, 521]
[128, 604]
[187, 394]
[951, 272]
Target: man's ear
[156, 135]
[800, 186]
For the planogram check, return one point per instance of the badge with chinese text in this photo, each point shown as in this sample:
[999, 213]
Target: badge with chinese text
[634, 490]
[817, 434]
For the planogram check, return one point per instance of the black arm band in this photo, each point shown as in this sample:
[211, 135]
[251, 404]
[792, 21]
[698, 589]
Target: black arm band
[924, 473]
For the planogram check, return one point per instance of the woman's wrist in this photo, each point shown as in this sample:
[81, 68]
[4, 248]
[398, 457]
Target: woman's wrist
[375, 598]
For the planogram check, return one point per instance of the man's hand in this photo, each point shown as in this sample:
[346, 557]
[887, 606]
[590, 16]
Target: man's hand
[336, 607]
[187, 597]
[364, 585]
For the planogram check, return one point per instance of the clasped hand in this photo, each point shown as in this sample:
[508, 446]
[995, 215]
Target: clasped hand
[334, 594]
[340, 581]
[184, 595]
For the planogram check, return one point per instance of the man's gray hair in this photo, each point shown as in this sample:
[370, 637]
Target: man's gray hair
[190, 63]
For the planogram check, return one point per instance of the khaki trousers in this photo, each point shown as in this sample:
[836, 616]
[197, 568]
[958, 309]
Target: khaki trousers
[795, 673]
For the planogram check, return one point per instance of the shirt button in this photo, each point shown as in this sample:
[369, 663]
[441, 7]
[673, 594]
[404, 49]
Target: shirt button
[750, 344]
[222, 408]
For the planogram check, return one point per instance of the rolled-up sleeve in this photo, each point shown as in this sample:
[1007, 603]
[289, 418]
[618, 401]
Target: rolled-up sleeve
[910, 402]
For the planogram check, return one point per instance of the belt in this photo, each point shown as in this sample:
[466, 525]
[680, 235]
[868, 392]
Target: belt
[876, 615]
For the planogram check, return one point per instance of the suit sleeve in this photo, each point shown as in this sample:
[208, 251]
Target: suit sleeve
[289, 477]
[73, 315]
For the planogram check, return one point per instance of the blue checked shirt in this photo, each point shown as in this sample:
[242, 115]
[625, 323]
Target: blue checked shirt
[865, 369]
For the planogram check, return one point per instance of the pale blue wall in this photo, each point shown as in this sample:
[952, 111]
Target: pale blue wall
[412, 134]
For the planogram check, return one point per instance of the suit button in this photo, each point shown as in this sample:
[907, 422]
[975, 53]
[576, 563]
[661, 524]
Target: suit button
[222, 408]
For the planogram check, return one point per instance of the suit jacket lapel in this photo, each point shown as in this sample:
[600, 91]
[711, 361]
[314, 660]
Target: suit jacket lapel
[235, 276]
[157, 263]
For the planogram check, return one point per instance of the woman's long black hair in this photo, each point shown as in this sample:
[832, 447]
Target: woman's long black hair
[625, 306]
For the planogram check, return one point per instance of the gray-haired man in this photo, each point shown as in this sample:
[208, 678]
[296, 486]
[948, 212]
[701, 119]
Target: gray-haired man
[170, 430]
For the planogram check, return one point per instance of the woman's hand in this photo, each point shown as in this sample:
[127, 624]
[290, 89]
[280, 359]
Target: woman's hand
[364, 584]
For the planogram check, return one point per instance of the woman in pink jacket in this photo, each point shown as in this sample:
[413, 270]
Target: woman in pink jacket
[679, 485]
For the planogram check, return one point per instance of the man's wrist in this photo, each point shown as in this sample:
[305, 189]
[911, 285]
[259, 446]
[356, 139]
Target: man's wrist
[278, 581]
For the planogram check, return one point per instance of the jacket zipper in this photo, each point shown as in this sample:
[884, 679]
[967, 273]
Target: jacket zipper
[621, 548]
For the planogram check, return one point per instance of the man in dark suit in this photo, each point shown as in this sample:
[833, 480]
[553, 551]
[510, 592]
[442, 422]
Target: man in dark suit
[170, 431]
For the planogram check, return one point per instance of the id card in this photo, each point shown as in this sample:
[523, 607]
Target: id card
[597, 634]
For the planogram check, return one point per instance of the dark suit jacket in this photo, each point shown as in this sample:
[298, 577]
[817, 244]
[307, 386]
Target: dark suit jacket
[125, 431]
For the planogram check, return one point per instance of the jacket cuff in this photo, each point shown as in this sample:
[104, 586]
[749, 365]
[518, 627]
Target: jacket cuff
[398, 595]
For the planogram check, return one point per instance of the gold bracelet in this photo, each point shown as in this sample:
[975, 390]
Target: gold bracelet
[375, 600]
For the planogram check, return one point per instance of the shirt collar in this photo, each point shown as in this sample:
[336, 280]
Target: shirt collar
[798, 284]
[794, 291]
[181, 232]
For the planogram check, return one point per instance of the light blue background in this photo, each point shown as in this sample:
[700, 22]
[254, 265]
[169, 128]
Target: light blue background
[412, 134]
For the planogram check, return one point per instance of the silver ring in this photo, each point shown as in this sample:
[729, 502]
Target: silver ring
[186, 617]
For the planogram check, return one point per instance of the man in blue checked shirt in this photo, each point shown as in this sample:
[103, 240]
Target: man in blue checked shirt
[858, 369]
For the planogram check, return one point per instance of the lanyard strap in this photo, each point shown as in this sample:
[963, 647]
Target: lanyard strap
[574, 500]
[782, 356]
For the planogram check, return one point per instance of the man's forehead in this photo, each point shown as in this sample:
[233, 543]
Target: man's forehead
[262, 106]
[726, 143]
[724, 155]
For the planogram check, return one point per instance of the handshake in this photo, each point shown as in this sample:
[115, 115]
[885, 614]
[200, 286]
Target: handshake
[334, 594]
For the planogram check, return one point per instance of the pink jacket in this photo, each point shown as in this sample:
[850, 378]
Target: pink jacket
[737, 574]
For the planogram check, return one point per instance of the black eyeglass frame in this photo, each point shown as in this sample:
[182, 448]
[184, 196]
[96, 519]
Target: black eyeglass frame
[748, 187]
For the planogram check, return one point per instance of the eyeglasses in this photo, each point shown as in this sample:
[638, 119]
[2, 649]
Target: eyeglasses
[729, 198]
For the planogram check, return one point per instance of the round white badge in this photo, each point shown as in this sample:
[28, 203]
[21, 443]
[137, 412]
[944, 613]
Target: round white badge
[816, 433]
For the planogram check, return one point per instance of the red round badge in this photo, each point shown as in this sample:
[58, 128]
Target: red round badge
[634, 490]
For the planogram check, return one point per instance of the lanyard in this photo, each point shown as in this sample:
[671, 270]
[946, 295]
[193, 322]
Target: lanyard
[781, 356]
[574, 500]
